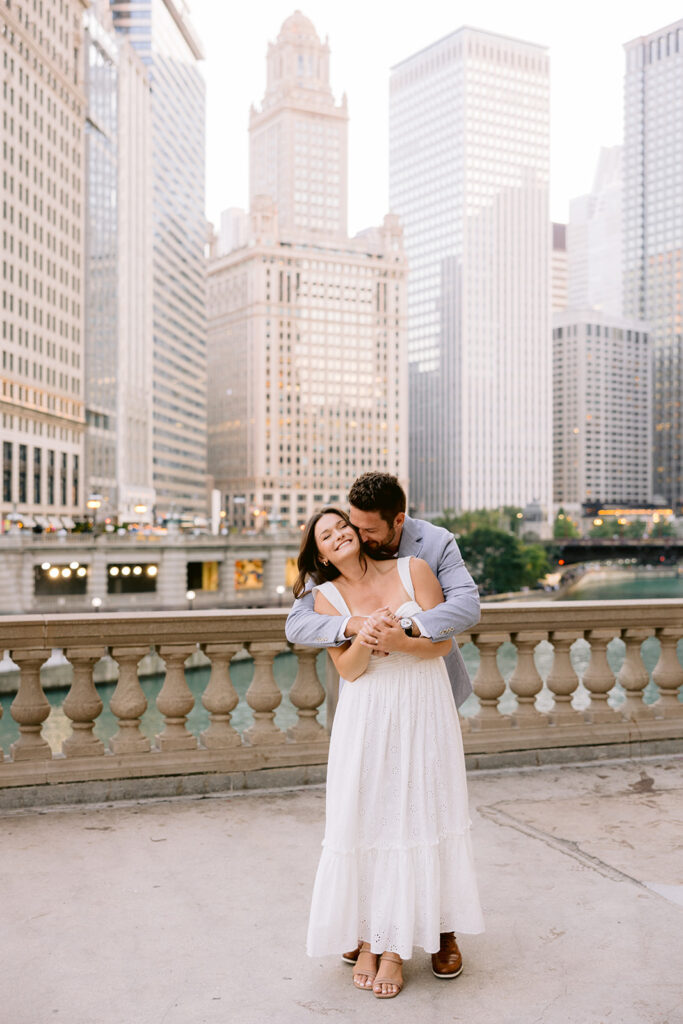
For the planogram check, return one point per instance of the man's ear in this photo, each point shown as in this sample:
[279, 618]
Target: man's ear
[400, 519]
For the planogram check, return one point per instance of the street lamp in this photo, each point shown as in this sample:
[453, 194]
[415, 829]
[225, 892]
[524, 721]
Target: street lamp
[190, 595]
[96, 603]
[279, 590]
[94, 503]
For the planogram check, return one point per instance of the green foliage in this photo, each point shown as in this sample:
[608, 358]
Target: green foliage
[662, 529]
[564, 527]
[499, 562]
[607, 528]
[635, 529]
[504, 518]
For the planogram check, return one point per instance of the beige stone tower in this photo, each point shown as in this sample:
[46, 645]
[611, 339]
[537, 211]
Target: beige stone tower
[298, 139]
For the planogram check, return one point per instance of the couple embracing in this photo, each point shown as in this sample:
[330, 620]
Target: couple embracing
[386, 595]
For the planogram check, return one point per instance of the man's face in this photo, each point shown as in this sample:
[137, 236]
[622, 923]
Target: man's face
[376, 534]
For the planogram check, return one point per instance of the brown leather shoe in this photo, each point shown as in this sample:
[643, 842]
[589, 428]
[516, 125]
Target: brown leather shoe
[350, 958]
[447, 963]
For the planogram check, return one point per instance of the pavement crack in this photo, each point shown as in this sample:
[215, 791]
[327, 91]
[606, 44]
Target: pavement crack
[565, 846]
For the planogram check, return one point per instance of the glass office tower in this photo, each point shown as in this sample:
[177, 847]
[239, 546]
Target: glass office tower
[653, 234]
[162, 35]
[469, 156]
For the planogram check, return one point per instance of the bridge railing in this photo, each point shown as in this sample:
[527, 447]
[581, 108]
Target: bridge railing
[537, 699]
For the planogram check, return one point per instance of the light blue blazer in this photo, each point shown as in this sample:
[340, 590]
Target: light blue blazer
[459, 611]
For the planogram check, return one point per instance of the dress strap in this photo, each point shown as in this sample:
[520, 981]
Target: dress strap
[403, 565]
[329, 590]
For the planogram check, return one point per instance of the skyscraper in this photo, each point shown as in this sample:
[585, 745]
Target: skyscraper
[601, 410]
[307, 384]
[118, 273]
[558, 268]
[298, 138]
[468, 166]
[594, 240]
[162, 35]
[41, 314]
[653, 234]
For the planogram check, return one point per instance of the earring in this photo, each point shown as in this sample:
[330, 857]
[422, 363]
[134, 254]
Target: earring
[324, 561]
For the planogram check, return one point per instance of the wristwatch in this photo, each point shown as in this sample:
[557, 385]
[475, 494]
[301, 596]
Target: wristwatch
[407, 626]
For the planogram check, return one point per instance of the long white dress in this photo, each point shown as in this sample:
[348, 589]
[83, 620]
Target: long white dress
[396, 868]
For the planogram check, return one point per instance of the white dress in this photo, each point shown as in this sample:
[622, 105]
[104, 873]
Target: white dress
[396, 867]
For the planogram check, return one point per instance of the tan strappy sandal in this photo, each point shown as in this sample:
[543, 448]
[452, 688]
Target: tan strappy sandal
[393, 958]
[365, 964]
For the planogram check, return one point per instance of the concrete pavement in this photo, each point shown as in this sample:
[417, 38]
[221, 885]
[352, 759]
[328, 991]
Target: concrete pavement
[194, 911]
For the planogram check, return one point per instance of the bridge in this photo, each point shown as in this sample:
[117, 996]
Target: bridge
[665, 551]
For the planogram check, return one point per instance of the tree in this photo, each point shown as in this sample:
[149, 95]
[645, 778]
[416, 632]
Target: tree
[661, 529]
[536, 563]
[564, 527]
[499, 562]
[635, 529]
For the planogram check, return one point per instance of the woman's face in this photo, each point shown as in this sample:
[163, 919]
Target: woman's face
[335, 538]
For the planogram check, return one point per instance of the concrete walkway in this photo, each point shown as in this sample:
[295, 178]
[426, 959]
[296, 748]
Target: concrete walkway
[193, 911]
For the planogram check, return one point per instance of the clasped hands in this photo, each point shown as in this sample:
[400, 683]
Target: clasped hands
[381, 632]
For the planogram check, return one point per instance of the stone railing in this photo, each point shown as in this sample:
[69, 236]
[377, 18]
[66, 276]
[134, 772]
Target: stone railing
[577, 716]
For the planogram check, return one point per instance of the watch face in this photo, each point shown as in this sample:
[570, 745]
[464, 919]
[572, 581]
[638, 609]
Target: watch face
[406, 624]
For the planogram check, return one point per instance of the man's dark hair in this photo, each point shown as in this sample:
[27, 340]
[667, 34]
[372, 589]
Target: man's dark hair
[378, 492]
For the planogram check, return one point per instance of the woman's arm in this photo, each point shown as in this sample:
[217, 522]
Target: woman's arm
[351, 659]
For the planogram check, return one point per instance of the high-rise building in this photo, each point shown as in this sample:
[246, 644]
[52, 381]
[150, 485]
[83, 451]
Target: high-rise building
[594, 240]
[558, 268]
[298, 138]
[233, 230]
[42, 312]
[118, 273]
[601, 410]
[307, 383]
[163, 37]
[468, 166]
[653, 234]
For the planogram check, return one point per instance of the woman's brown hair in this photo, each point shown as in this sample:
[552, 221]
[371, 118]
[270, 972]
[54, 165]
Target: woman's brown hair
[308, 562]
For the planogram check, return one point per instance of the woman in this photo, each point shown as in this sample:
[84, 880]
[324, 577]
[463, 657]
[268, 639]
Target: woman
[396, 867]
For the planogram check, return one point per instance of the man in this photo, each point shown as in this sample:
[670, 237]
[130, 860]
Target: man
[378, 511]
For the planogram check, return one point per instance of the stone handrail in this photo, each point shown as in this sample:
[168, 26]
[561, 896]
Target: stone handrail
[527, 731]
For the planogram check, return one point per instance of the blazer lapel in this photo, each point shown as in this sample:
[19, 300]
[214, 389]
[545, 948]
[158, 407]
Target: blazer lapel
[411, 538]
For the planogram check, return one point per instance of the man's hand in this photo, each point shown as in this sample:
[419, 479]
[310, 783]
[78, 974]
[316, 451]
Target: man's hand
[354, 625]
[382, 632]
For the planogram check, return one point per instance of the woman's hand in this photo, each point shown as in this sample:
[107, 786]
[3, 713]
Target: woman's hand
[382, 632]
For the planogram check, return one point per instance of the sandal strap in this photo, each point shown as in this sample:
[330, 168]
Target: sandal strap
[393, 957]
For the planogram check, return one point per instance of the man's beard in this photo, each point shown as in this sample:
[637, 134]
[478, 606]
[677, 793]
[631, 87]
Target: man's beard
[381, 552]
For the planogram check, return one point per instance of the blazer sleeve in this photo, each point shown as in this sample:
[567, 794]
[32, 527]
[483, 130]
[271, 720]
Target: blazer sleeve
[460, 609]
[309, 628]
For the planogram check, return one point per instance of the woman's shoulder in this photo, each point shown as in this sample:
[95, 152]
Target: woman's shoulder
[419, 569]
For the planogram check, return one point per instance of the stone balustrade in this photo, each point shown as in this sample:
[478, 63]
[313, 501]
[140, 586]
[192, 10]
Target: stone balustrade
[549, 703]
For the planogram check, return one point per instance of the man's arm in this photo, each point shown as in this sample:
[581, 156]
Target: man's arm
[460, 608]
[309, 628]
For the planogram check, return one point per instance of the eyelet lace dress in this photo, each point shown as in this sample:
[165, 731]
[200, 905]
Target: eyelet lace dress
[396, 868]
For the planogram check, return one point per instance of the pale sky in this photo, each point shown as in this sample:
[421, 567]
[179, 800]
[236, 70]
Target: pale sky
[585, 39]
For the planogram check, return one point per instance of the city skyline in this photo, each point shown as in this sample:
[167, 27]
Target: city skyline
[586, 110]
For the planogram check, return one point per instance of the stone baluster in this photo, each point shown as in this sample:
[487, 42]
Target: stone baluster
[668, 675]
[633, 675]
[562, 680]
[598, 677]
[263, 696]
[175, 700]
[2, 752]
[220, 698]
[307, 695]
[83, 704]
[489, 684]
[525, 681]
[129, 703]
[30, 708]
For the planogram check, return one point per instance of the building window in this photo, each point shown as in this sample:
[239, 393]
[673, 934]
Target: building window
[6, 470]
[62, 480]
[37, 477]
[23, 474]
[74, 483]
[50, 477]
